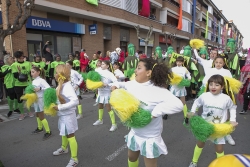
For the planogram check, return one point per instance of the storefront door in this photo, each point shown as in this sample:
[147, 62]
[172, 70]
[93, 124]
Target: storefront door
[34, 48]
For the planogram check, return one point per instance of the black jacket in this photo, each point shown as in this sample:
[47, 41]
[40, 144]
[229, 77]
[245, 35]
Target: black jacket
[47, 55]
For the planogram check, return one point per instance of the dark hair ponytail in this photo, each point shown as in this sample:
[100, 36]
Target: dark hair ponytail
[42, 72]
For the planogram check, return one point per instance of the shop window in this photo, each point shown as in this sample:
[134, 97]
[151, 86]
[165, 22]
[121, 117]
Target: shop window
[107, 31]
[63, 47]
[76, 44]
[51, 39]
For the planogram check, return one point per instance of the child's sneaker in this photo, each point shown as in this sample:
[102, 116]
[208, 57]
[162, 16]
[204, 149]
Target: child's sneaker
[17, 111]
[113, 128]
[243, 112]
[79, 116]
[37, 131]
[47, 135]
[31, 114]
[22, 116]
[72, 163]
[98, 122]
[9, 114]
[230, 140]
[192, 164]
[60, 151]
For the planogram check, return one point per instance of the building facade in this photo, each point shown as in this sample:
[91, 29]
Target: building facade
[74, 24]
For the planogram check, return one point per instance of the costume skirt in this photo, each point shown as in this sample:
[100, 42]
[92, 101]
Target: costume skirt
[67, 124]
[39, 105]
[102, 99]
[178, 91]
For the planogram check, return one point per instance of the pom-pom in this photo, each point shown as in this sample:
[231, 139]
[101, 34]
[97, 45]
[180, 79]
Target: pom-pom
[235, 84]
[184, 82]
[130, 72]
[50, 99]
[139, 119]
[29, 89]
[30, 99]
[221, 130]
[200, 128]
[124, 103]
[176, 79]
[84, 76]
[91, 85]
[94, 76]
[196, 43]
[202, 90]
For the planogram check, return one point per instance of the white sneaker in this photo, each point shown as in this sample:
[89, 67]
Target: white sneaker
[230, 140]
[72, 163]
[192, 164]
[79, 116]
[60, 151]
[95, 104]
[113, 128]
[98, 122]
[22, 116]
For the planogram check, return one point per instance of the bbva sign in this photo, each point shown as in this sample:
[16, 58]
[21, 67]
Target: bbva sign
[41, 23]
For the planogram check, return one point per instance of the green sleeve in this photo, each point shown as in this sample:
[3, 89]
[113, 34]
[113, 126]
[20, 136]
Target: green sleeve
[14, 68]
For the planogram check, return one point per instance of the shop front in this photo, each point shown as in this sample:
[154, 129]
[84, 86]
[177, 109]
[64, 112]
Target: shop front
[64, 37]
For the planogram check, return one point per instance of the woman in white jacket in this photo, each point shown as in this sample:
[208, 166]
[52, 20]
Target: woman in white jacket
[150, 78]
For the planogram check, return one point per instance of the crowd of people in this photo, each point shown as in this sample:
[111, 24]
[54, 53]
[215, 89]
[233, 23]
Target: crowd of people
[152, 75]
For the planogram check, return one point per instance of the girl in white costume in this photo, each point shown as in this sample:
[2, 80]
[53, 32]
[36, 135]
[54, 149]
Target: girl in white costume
[76, 80]
[215, 107]
[67, 123]
[219, 68]
[104, 94]
[118, 72]
[40, 85]
[150, 78]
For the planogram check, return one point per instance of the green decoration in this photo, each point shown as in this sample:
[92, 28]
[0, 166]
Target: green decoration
[158, 51]
[203, 51]
[185, 82]
[130, 72]
[29, 89]
[170, 50]
[131, 61]
[49, 97]
[200, 128]
[94, 76]
[187, 51]
[93, 2]
[131, 49]
[202, 90]
[231, 45]
[139, 119]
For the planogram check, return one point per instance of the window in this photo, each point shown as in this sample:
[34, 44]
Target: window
[186, 25]
[209, 35]
[222, 21]
[209, 23]
[203, 34]
[172, 21]
[210, 9]
[187, 6]
[63, 46]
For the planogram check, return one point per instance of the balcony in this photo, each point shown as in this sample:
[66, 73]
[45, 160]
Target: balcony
[169, 5]
[204, 10]
[156, 2]
[187, 15]
[172, 29]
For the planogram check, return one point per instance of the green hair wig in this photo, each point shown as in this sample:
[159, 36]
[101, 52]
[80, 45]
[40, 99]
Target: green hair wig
[94, 76]
[139, 119]
[131, 49]
[170, 50]
[187, 51]
[158, 51]
[203, 51]
[231, 45]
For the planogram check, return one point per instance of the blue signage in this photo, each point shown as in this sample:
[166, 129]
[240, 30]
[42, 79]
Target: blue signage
[54, 25]
[93, 29]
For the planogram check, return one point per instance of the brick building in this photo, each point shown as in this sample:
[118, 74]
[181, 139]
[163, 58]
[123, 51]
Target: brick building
[74, 24]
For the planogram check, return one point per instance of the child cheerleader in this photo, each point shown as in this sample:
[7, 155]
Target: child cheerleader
[66, 107]
[76, 80]
[40, 85]
[118, 72]
[104, 94]
[150, 77]
[215, 107]
[180, 91]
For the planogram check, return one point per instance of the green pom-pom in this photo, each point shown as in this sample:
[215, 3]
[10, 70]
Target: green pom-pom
[202, 90]
[29, 89]
[94, 76]
[184, 82]
[200, 128]
[139, 119]
[130, 72]
[84, 76]
[49, 97]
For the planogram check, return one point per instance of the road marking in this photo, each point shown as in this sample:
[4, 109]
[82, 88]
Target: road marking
[116, 153]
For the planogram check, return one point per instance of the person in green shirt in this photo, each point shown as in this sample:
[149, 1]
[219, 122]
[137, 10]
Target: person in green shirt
[9, 84]
[76, 64]
[38, 62]
[71, 57]
[93, 62]
[54, 64]
[21, 71]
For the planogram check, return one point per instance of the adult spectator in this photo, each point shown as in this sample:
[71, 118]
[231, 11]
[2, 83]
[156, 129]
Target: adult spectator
[47, 56]
[84, 61]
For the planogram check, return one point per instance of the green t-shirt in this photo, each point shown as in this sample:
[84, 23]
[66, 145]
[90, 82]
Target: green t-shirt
[54, 64]
[93, 63]
[41, 64]
[8, 78]
[76, 63]
[25, 69]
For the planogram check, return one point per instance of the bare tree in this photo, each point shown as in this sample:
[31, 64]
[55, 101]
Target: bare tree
[9, 27]
[146, 40]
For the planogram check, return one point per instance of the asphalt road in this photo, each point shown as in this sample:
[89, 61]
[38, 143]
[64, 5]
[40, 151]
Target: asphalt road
[97, 147]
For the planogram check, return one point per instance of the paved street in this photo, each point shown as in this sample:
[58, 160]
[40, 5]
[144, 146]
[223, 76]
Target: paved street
[100, 148]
